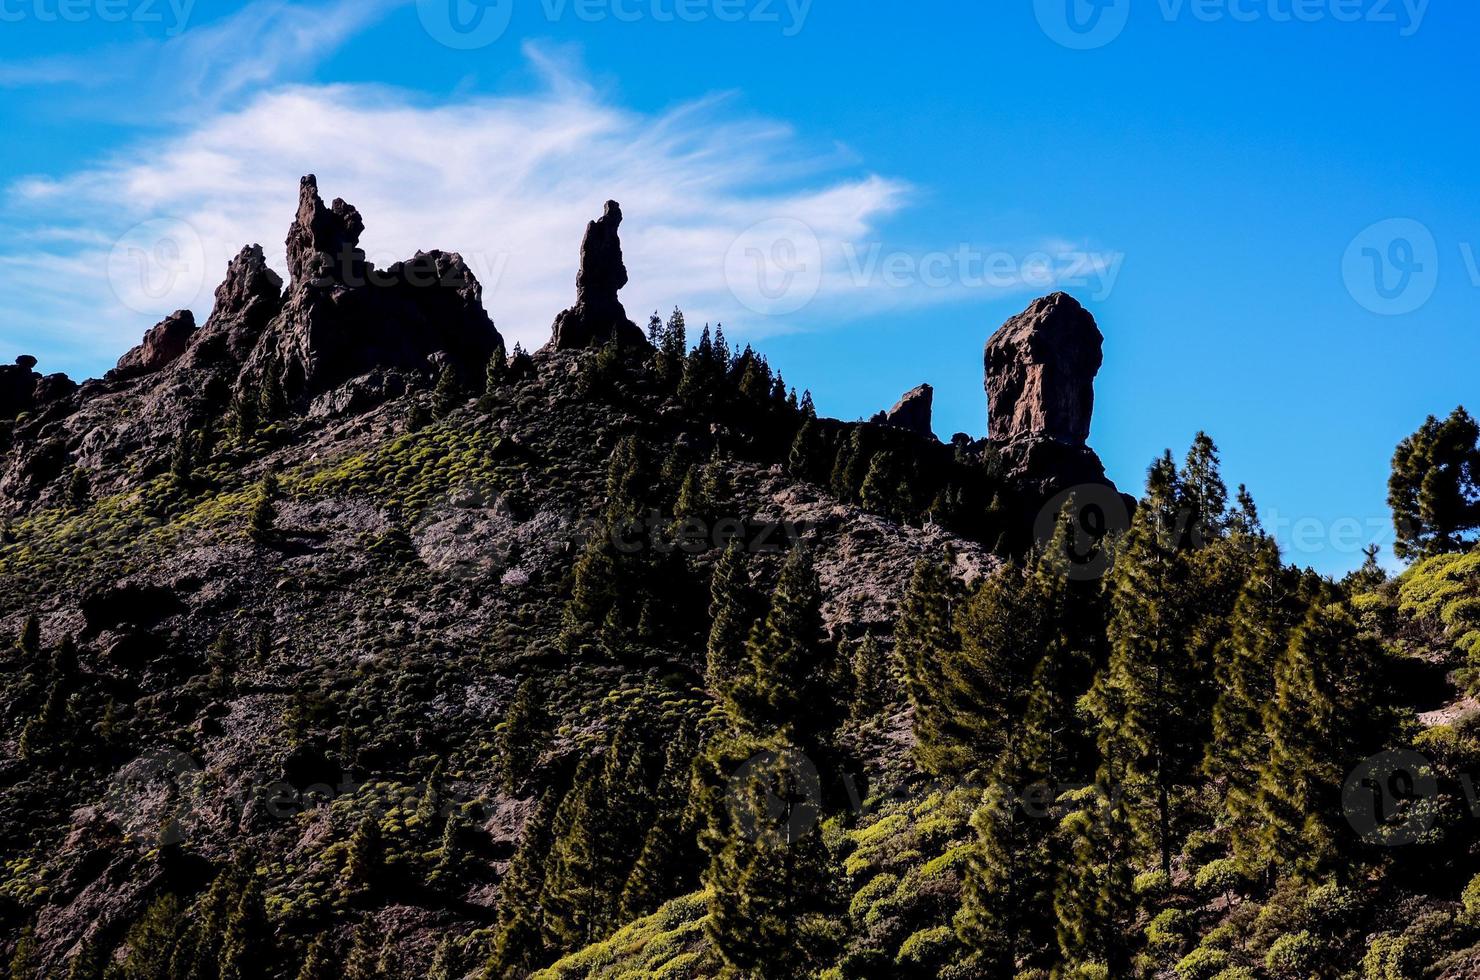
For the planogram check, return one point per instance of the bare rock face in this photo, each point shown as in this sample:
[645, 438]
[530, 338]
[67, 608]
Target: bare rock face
[246, 301]
[1041, 369]
[598, 316]
[342, 319]
[323, 243]
[163, 344]
[912, 411]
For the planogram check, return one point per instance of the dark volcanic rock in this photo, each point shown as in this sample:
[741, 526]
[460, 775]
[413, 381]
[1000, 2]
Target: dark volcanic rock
[342, 319]
[163, 344]
[323, 244]
[912, 411]
[1041, 369]
[18, 386]
[246, 301]
[598, 316]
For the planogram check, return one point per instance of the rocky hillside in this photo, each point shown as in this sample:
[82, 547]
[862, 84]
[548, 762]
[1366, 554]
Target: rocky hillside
[271, 589]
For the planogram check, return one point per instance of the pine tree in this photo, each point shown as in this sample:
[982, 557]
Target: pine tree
[521, 737]
[1323, 715]
[318, 963]
[244, 942]
[1144, 702]
[1203, 490]
[25, 959]
[28, 644]
[732, 613]
[518, 943]
[663, 868]
[1434, 490]
[927, 648]
[876, 682]
[791, 665]
[807, 451]
[448, 393]
[1093, 897]
[594, 590]
[263, 520]
[362, 861]
[150, 942]
[195, 956]
[497, 371]
[1269, 607]
[1007, 889]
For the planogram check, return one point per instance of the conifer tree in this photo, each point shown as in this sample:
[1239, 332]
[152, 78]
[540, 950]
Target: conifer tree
[521, 737]
[518, 942]
[497, 371]
[732, 613]
[1434, 491]
[1203, 490]
[806, 457]
[79, 489]
[1268, 609]
[243, 945]
[262, 522]
[362, 861]
[927, 648]
[791, 665]
[150, 942]
[1144, 701]
[318, 962]
[1093, 897]
[25, 959]
[1322, 717]
[448, 392]
[876, 683]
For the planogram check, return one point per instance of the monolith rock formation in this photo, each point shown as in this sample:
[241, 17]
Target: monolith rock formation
[598, 316]
[1040, 376]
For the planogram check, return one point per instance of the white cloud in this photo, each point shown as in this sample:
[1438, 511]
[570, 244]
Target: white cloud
[508, 182]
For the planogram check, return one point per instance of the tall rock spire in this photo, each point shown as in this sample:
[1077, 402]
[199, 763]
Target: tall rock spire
[598, 316]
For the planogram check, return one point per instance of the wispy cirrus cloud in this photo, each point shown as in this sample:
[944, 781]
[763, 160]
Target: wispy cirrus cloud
[508, 182]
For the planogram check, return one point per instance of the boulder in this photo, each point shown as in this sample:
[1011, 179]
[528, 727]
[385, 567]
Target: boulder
[18, 386]
[598, 316]
[1040, 373]
[912, 411]
[163, 344]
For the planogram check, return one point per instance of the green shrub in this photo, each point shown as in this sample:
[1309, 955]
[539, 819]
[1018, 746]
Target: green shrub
[928, 948]
[1202, 964]
[1218, 878]
[1294, 956]
[1152, 884]
[1331, 906]
[1471, 900]
[1168, 931]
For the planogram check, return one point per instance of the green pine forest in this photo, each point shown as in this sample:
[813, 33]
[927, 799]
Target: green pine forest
[1204, 763]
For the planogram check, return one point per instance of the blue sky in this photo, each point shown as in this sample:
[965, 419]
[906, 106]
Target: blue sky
[865, 190]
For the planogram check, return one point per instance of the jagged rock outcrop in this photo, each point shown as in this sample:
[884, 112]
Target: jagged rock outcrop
[163, 344]
[342, 319]
[18, 386]
[323, 244]
[1040, 373]
[246, 301]
[912, 411]
[598, 316]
